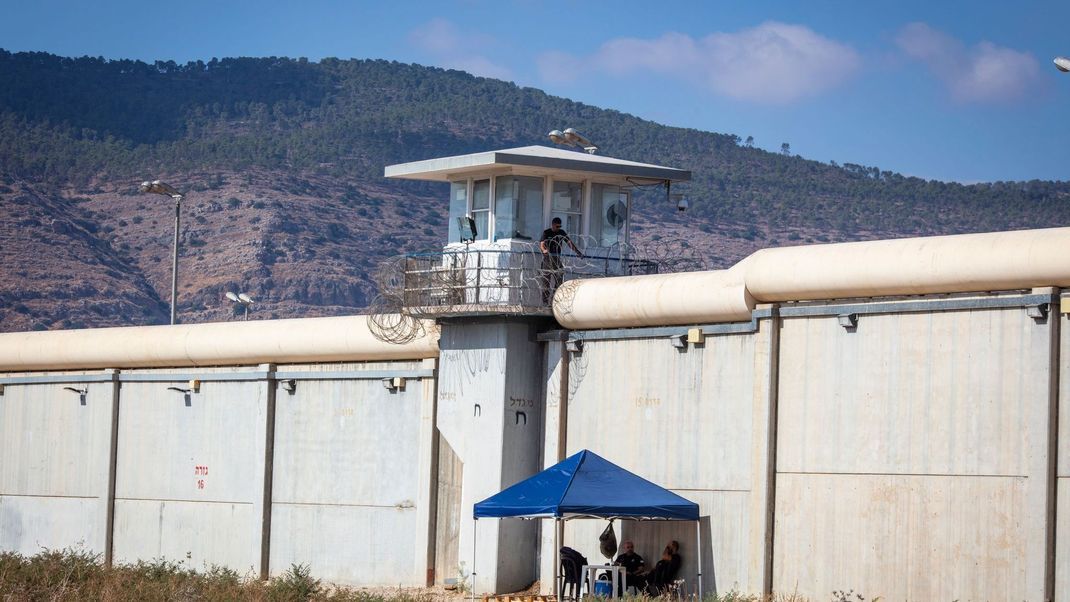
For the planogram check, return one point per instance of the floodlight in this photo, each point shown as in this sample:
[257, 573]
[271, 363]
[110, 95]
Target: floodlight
[241, 299]
[1039, 313]
[467, 227]
[570, 137]
[186, 397]
[159, 187]
[81, 393]
[576, 138]
[848, 321]
[1062, 63]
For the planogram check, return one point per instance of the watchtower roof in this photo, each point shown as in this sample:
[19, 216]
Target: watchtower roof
[540, 157]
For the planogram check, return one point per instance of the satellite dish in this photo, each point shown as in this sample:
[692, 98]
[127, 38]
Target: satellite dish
[232, 296]
[245, 298]
[1062, 63]
[616, 214]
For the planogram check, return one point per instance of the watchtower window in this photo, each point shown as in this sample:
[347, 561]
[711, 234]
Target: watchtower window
[458, 208]
[518, 207]
[568, 205]
[609, 213]
[481, 208]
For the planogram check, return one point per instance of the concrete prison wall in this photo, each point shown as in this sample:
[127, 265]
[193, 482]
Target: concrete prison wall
[694, 419]
[901, 448]
[913, 454]
[258, 468]
[911, 445]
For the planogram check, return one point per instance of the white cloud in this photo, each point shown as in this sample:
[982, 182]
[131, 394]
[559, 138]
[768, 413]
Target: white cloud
[983, 73]
[774, 63]
[454, 49]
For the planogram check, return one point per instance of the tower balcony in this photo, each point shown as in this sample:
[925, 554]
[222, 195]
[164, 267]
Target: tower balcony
[494, 281]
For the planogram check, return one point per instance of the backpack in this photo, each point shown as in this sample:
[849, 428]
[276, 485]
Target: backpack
[607, 542]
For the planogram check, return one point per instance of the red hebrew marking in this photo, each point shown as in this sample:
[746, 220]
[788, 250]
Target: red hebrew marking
[199, 471]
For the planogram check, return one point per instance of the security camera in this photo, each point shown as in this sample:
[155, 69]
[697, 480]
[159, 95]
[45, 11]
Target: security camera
[681, 205]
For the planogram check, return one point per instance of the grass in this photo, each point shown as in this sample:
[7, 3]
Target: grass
[73, 574]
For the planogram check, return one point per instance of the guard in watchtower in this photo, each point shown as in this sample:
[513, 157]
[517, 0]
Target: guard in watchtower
[553, 271]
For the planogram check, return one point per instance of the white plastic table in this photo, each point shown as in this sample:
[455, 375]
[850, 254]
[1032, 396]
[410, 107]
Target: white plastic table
[616, 575]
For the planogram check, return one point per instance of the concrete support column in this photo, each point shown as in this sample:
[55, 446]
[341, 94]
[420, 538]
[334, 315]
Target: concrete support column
[554, 446]
[271, 387]
[489, 406]
[427, 492]
[763, 458]
[1061, 513]
[113, 451]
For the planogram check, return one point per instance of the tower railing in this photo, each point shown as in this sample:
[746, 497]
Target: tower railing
[497, 280]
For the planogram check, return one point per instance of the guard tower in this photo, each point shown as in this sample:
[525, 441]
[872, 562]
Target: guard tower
[487, 289]
[500, 203]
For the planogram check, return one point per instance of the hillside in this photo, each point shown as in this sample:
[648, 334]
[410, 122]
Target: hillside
[283, 162]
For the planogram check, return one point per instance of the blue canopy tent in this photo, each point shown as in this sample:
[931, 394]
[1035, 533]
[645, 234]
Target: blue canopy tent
[586, 485]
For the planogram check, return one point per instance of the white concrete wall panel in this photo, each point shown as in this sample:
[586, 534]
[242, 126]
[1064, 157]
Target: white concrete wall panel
[635, 396]
[1062, 540]
[54, 466]
[32, 524]
[346, 544]
[902, 537]
[189, 482]
[912, 448]
[684, 420]
[198, 533]
[346, 479]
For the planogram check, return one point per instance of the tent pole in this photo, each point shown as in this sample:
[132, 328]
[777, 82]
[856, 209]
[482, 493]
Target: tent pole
[698, 544]
[475, 522]
[557, 558]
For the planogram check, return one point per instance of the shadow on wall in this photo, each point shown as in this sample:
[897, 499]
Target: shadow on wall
[651, 537]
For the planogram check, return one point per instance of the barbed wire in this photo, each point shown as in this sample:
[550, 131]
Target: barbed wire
[419, 287]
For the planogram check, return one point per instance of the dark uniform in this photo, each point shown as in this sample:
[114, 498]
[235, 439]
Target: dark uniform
[552, 271]
[632, 563]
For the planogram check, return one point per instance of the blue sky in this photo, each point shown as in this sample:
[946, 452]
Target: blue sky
[940, 89]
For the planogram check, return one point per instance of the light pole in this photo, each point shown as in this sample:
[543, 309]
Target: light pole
[158, 187]
[242, 299]
[1062, 63]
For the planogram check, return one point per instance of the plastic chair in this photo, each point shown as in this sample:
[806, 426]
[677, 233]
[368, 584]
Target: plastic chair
[571, 577]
